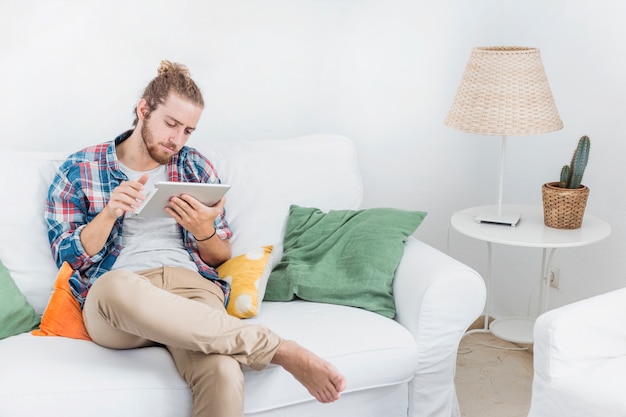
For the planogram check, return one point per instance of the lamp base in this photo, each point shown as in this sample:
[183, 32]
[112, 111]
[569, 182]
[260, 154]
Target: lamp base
[502, 219]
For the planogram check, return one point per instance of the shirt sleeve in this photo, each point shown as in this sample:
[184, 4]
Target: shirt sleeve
[65, 217]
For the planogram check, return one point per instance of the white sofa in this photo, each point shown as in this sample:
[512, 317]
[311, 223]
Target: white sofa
[401, 367]
[580, 359]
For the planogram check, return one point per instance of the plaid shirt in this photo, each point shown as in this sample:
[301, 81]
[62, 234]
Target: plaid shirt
[82, 188]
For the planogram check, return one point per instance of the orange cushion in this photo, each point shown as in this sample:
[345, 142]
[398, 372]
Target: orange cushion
[63, 316]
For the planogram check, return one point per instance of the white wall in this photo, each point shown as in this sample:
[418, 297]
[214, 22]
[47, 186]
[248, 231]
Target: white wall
[382, 72]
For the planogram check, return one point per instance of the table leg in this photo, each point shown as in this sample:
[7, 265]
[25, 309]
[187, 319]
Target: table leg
[546, 261]
[488, 279]
[488, 295]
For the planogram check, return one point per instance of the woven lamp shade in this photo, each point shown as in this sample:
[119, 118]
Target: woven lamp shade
[504, 92]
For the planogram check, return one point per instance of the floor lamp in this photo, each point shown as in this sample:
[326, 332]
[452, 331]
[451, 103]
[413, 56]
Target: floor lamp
[504, 92]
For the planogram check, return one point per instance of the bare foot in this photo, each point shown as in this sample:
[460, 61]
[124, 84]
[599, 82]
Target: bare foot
[318, 376]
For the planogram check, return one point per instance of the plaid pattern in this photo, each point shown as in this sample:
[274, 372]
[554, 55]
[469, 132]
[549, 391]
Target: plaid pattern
[82, 188]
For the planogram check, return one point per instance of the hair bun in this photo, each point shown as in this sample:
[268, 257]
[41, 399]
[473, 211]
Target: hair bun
[171, 68]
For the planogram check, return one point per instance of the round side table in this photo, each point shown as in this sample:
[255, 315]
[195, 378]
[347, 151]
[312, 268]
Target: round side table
[529, 232]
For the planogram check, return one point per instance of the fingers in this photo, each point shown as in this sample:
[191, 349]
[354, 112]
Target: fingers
[143, 179]
[184, 206]
[127, 196]
[192, 215]
[196, 205]
[187, 206]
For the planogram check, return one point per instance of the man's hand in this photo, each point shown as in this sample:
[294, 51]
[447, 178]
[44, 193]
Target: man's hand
[194, 216]
[126, 197]
[199, 220]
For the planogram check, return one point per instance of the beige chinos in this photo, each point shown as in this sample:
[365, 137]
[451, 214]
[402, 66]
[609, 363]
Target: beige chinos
[185, 312]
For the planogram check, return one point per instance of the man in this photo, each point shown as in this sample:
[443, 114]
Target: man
[143, 282]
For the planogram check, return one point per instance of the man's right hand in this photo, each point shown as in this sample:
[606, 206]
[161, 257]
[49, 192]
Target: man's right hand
[123, 198]
[126, 197]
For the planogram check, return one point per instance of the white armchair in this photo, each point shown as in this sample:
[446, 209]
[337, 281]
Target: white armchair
[580, 359]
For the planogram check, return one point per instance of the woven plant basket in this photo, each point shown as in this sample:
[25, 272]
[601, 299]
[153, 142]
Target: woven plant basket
[564, 208]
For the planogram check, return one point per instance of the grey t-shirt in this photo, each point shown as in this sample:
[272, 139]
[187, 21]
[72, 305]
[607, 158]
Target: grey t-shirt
[153, 242]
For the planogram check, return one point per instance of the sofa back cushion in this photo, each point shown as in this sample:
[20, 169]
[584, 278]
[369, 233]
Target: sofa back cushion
[266, 176]
[24, 247]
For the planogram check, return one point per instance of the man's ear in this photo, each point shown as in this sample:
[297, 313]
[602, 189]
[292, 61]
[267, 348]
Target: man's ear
[143, 109]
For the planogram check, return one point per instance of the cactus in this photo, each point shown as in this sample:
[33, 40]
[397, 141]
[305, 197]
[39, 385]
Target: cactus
[572, 175]
[564, 176]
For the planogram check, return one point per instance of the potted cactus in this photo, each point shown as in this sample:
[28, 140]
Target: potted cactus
[564, 201]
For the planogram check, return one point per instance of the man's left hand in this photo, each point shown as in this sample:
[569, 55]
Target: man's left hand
[194, 216]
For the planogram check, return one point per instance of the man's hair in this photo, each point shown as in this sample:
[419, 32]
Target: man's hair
[171, 78]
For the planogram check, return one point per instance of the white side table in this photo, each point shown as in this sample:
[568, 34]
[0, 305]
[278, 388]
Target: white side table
[529, 232]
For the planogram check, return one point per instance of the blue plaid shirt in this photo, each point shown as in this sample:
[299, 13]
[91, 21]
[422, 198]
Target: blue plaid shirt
[82, 188]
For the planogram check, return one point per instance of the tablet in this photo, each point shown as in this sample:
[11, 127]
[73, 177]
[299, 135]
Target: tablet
[157, 199]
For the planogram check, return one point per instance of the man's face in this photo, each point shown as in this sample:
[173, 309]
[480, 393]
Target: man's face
[168, 127]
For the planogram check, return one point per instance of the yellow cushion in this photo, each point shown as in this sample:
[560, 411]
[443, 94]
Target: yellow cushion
[247, 275]
[63, 316]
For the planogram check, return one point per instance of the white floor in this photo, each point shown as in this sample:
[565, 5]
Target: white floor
[491, 381]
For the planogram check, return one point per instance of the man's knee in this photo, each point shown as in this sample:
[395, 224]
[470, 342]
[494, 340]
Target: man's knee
[106, 310]
[114, 287]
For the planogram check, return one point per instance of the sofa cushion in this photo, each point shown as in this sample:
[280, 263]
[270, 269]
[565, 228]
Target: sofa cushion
[76, 378]
[342, 335]
[270, 175]
[16, 314]
[346, 257]
[26, 251]
[108, 379]
[247, 275]
[63, 316]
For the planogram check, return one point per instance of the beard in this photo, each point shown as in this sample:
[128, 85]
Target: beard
[154, 148]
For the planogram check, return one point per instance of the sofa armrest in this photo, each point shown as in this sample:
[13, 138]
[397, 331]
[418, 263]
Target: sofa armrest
[434, 293]
[580, 335]
[437, 298]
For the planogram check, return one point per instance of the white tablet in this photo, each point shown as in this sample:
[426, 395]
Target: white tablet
[157, 199]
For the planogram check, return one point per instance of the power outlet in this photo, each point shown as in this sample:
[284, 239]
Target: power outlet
[554, 274]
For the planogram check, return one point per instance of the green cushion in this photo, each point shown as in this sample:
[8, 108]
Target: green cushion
[342, 257]
[16, 314]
